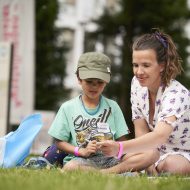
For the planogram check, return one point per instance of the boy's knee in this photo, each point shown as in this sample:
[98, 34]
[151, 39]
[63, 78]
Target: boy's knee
[152, 156]
[155, 155]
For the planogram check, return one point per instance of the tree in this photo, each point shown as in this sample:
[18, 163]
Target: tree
[50, 62]
[135, 18]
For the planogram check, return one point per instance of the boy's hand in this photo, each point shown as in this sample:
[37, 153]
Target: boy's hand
[90, 149]
[108, 147]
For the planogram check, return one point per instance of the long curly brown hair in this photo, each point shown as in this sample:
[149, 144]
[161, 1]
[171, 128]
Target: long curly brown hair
[166, 52]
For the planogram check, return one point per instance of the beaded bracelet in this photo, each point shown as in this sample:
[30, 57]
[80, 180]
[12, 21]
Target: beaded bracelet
[120, 153]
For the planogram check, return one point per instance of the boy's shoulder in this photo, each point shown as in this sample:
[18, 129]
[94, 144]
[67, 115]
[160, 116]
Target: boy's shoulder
[70, 102]
[109, 101]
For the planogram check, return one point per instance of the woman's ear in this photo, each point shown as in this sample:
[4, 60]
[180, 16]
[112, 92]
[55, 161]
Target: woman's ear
[162, 66]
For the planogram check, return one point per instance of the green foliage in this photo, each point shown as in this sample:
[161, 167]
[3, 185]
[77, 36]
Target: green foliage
[50, 61]
[135, 18]
[22, 179]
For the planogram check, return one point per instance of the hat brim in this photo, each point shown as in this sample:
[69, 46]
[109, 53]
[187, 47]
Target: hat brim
[94, 74]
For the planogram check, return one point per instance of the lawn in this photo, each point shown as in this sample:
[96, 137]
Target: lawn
[53, 179]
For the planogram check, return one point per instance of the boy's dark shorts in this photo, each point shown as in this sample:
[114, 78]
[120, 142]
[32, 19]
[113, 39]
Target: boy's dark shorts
[98, 161]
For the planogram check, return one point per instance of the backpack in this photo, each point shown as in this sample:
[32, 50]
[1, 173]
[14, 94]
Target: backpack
[54, 155]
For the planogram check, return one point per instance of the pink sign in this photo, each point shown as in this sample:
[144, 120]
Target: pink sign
[17, 27]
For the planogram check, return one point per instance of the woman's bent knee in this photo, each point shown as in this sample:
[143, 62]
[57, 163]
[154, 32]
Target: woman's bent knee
[169, 165]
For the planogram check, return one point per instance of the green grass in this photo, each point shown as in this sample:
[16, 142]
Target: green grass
[27, 179]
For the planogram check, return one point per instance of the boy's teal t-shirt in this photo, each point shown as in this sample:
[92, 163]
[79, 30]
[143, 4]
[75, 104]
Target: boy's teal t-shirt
[76, 126]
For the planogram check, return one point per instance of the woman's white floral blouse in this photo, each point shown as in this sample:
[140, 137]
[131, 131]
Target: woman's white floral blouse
[174, 100]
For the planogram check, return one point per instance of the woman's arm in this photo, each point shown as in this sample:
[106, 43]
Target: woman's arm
[145, 142]
[141, 127]
[149, 140]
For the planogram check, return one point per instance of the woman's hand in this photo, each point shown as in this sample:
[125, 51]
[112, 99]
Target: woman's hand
[90, 149]
[109, 147]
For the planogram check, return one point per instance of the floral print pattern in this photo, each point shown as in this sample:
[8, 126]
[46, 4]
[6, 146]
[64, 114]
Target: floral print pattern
[174, 100]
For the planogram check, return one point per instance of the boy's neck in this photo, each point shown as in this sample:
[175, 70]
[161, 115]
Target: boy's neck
[90, 103]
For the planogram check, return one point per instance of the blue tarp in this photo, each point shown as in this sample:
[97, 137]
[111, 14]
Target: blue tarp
[15, 146]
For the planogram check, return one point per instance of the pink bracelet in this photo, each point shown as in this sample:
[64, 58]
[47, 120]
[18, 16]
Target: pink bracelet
[76, 151]
[120, 153]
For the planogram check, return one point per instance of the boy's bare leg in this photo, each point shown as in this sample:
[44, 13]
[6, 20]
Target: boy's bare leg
[74, 165]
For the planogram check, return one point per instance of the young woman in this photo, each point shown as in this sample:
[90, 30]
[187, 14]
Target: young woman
[160, 108]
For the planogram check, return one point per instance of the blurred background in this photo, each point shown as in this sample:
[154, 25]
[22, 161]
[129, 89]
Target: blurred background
[41, 41]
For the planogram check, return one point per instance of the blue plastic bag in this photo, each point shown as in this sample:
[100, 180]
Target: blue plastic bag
[18, 143]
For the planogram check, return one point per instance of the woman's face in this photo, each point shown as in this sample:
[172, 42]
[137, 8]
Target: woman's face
[146, 68]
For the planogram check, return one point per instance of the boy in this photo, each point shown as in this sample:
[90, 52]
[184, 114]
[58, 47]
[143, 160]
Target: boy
[89, 118]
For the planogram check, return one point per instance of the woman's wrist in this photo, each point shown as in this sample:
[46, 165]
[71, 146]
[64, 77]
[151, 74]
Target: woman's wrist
[120, 152]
